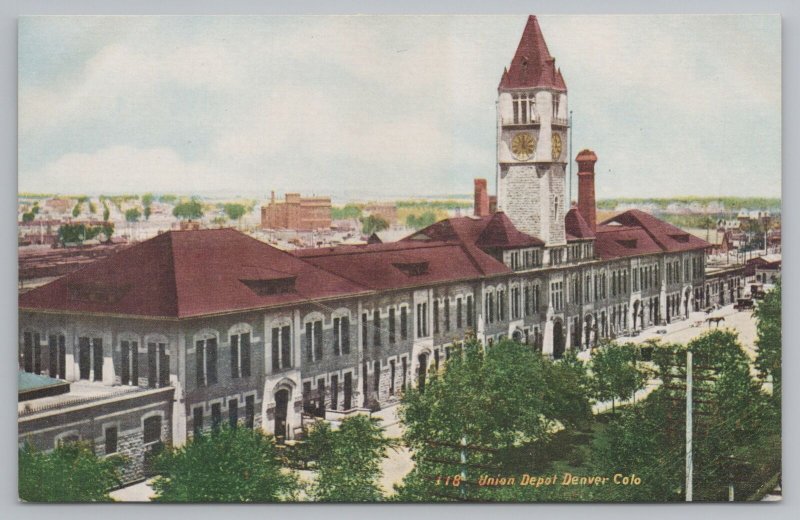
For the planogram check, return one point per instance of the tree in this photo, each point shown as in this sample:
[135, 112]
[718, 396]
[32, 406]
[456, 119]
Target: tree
[373, 224]
[425, 219]
[133, 215]
[234, 211]
[768, 326]
[189, 209]
[497, 402]
[348, 211]
[106, 211]
[76, 210]
[614, 373]
[732, 422]
[70, 473]
[147, 202]
[229, 465]
[348, 460]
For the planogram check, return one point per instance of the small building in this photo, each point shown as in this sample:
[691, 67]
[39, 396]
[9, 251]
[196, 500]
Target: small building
[296, 212]
[765, 268]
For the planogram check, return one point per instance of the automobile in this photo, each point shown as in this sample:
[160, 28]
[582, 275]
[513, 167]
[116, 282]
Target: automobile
[744, 304]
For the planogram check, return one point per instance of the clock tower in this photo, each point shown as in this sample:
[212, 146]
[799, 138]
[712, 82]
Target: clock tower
[532, 133]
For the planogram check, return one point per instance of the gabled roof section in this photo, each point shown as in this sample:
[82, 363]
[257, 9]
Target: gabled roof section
[668, 237]
[183, 274]
[532, 65]
[576, 226]
[500, 233]
[404, 264]
[616, 241]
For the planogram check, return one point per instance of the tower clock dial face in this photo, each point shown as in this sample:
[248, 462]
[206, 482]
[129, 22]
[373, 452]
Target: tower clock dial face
[522, 146]
[557, 147]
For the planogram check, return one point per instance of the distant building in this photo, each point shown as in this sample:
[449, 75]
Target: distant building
[386, 211]
[765, 268]
[296, 212]
[58, 205]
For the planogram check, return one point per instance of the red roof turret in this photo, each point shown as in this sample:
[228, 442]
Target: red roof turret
[532, 65]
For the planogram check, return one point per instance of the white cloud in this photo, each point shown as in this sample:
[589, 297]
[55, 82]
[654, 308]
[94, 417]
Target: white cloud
[121, 169]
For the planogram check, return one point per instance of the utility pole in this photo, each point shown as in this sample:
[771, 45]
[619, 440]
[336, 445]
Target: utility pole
[689, 425]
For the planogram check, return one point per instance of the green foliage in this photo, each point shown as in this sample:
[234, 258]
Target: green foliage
[147, 212]
[77, 233]
[768, 360]
[190, 209]
[448, 204]
[147, 200]
[731, 204]
[235, 211]
[28, 216]
[348, 211]
[373, 224]
[731, 417]
[132, 215]
[76, 210]
[92, 208]
[614, 372]
[504, 403]
[230, 465]
[421, 221]
[70, 473]
[106, 211]
[168, 199]
[348, 460]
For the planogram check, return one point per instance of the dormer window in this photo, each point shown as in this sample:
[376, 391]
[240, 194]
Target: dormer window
[680, 237]
[271, 286]
[412, 268]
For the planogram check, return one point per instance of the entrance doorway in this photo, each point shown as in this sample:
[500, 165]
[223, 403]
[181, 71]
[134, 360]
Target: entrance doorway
[423, 371]
[558, 340]
[281, 413]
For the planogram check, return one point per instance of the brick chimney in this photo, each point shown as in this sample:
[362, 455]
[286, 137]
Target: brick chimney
[586, 202]
[481, 198]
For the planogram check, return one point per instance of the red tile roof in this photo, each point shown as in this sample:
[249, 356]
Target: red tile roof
[187, 273]
[635, 232]
[500, 233]
[576, 226]
[532, 65]
[404, 264]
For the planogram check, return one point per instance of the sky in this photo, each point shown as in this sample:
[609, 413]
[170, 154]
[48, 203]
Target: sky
[364, 107]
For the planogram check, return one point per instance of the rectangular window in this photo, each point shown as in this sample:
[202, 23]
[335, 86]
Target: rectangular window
[250, 411]
[276, 349]
[403, 322]
[376, 328]
[334, 392]
[318, 340]
[309, 341]
[392, 338]
[345, 335]
[111, 440]
[436, 316]
[286, 346]
[27, 353]
[152, 429]
[405, 371]
[364, 329]
[216, 416]
[233, 413]
[244, 354]
[197, 420]
[163, 365]
[336, 337]
[447, 315]
[234, 356]
[211, 361]
[392, 370]
[459, 322]
[97, 356]
[470, 311]
[348, 391]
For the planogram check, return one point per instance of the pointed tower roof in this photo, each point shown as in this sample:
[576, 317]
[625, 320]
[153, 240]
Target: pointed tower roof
[532, 65]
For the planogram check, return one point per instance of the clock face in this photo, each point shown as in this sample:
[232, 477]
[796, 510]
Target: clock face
[556, 147]
[522, 146]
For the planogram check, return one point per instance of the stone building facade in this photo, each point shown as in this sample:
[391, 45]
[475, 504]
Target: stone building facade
[296, 212]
